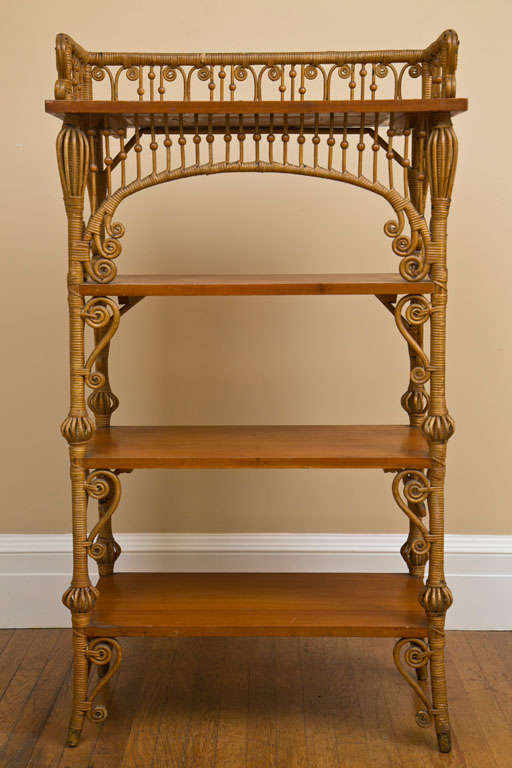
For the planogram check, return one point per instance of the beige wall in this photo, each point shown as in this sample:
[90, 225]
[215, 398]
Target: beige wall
[255, 360]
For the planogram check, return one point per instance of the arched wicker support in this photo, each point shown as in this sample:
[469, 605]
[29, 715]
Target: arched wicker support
[412, 249]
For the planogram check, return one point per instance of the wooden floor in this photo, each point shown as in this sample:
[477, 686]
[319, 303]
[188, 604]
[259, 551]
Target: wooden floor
[253, 703]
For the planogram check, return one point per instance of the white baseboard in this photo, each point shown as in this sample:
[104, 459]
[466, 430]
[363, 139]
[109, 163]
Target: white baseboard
[35, 568]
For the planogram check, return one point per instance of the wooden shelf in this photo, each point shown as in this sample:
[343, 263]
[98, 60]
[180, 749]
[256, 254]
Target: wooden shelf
[250, 604]
[384, 447]
[122, 114]
[256, 285]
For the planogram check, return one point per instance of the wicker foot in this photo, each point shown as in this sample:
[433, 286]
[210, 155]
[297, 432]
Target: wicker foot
[444, 739]
[73, 736]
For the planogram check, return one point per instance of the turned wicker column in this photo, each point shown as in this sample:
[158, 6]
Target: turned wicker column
[77, 428]
[438, 425]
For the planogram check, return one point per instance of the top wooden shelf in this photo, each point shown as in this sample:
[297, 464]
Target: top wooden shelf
[378, 284]
[346, 114]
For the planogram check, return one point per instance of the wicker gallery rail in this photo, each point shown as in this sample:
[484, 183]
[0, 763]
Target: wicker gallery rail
[379, 120]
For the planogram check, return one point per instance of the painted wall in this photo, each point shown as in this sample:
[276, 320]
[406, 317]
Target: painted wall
[259, 359]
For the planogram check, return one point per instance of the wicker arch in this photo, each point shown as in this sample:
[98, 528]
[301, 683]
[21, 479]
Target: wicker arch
[102, 234]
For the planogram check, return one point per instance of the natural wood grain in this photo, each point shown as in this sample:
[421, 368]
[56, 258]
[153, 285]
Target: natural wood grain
[49, 666]
[385, 447]
[20, 670]
[49, 747]
[262, 725]
[201, 743]
[241, 604]
[471, 736]
[291, 747]
[371, 704]
[234, 705]
[487, 702]
[404, 106]
[177, 705]
[210, 117]
[144, 731]
[344, 678]
[6, 635]
[329, 706]
[256, 285]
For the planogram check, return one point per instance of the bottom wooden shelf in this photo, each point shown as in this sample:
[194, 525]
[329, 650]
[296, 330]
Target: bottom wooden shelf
[250, 604]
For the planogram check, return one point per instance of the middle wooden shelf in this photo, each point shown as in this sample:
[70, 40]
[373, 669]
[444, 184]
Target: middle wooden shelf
[375, 284]
[297, 446]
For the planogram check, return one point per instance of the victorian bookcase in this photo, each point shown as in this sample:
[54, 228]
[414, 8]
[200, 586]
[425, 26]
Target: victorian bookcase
[379, 120]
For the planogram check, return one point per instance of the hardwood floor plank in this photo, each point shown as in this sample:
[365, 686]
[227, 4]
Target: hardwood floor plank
[141, 743]
[372, 676]
[481, 692]
[200, 747]
[6, 635]
[17, 647]
[176, 708]
[324, 667]
[466, 725]
[350, 738]
[234, 703]
[50, 745]
[289, 705]
[495, 666]
[32, 719]
[261, 724]
[254, 703]
[29, 658]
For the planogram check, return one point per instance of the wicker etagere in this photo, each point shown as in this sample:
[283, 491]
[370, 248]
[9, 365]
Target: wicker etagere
[380, 120]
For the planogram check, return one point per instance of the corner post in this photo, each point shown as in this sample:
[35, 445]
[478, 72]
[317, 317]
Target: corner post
[77, 428]
[438, 425]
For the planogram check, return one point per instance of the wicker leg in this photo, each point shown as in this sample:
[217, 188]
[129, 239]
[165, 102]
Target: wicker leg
[436, 599]
[79, 598]
[438, 682]
[80, 682]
